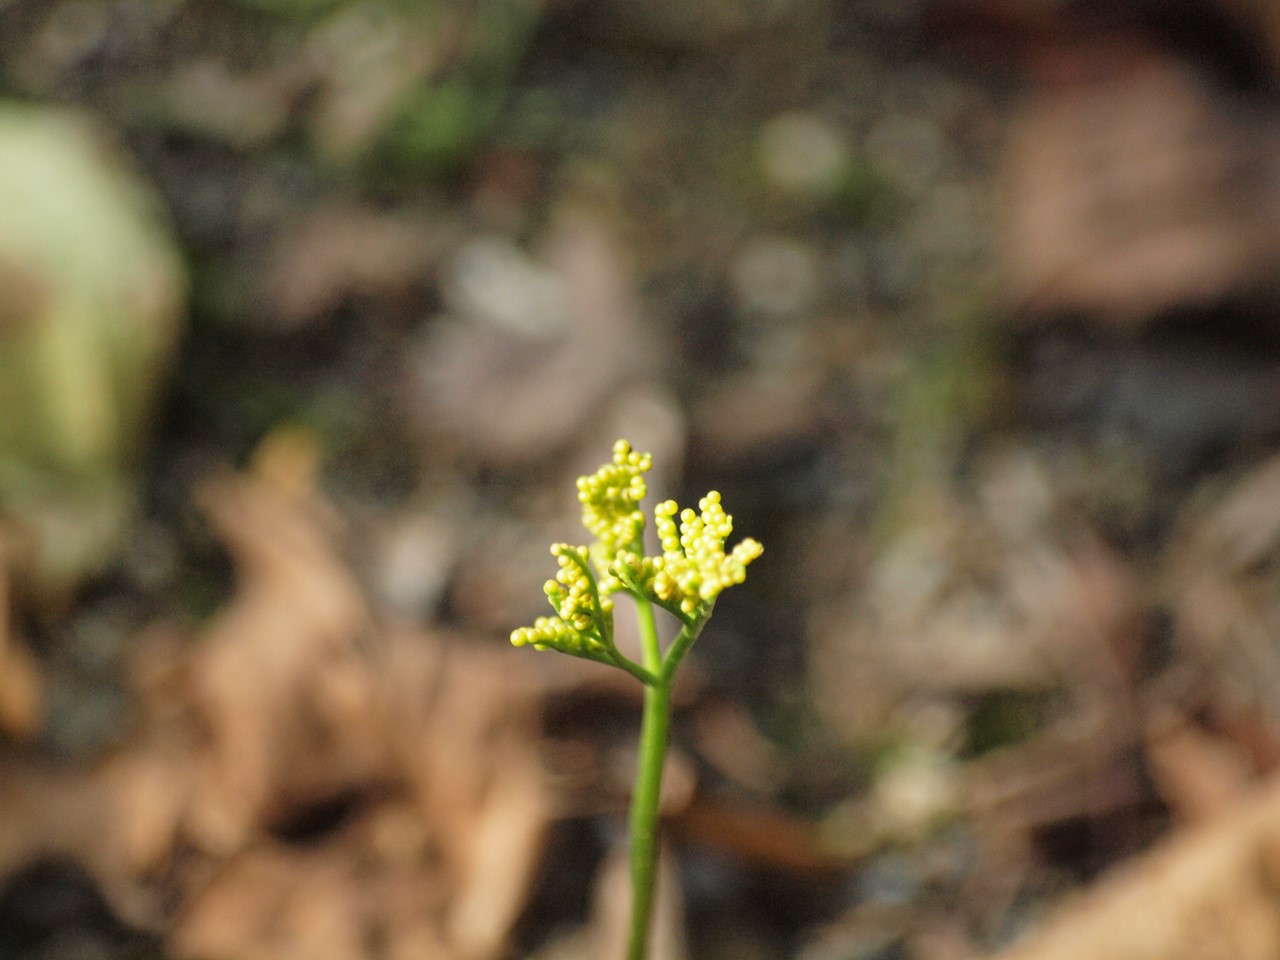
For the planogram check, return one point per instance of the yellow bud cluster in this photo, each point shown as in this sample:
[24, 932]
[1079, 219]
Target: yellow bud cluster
[610, 500]
[572, 593]
[583, 624]
[553, 633]
[694, 568]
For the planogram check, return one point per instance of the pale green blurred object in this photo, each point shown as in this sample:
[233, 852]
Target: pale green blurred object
[91, 291]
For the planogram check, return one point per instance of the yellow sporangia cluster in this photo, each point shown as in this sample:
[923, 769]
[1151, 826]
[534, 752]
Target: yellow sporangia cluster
[579, 607]
[694, 568]
[690, 573]
[573, 592]
[553, 633]
[611, 499]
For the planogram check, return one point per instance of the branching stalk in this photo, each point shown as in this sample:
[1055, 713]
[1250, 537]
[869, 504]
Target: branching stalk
[685, 580]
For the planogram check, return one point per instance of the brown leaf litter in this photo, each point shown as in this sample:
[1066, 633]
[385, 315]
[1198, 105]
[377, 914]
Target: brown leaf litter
[303, 780]
[1206, 893]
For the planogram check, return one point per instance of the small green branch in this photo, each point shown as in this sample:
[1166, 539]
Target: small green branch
[680, 646]
[604, 628]
[626, 663]
[673, 608]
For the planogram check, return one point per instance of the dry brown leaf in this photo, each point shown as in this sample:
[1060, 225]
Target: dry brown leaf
[117, 819]
[347, 251]
[1085, 766]
[308, 701]
[118, 816]
[504, 851]
[352, 790]
[1221, 588]
[518, 381]
[1198, 774]
[1208, 892]
[1124, 187]
[764, 836]
[977, 597]
[367, 892]
[278, 678]
[21, 684]
[468, 722]
[21, 689]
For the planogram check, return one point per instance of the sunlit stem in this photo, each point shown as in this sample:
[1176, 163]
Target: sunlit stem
[640, 673]
[683, 641]
[644, 802]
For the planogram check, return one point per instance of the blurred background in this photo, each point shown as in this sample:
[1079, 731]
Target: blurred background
[311, 311]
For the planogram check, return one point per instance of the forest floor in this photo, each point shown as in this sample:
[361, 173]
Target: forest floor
[438, 258]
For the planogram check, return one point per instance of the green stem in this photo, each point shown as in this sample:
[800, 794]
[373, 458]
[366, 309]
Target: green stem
[654, 728]
[613, 658]
[683, 641]
[650, 647]
[644, 813]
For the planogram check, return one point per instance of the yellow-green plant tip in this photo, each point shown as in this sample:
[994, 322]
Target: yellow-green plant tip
[685, 578]
[610, 500]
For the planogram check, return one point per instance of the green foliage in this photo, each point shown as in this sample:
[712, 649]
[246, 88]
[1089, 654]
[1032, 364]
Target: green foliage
[93, 288]
[440, 126]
